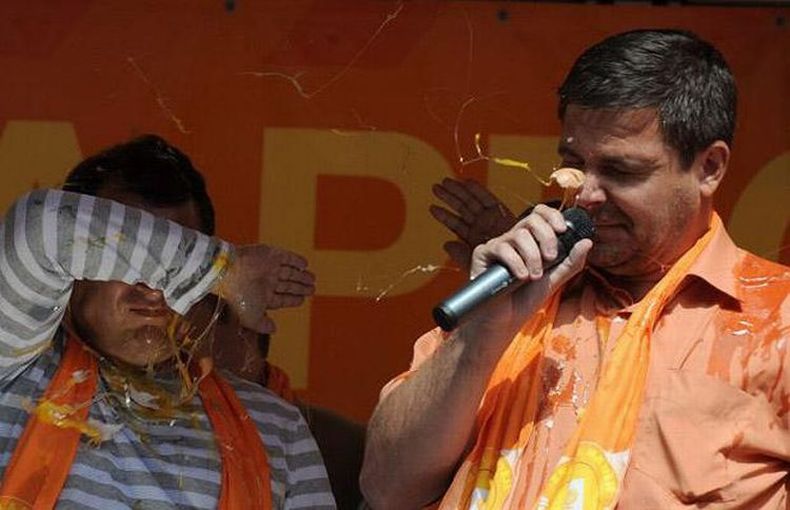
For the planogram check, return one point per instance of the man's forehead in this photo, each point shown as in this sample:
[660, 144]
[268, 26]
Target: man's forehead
[607, 125]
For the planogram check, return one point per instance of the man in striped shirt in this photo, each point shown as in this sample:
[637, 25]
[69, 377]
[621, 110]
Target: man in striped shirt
[112, 275]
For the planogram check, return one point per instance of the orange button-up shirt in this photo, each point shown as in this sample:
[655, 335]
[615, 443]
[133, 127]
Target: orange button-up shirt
[714, 429]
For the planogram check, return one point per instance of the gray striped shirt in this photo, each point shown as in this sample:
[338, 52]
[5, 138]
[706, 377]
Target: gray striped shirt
[51, 238]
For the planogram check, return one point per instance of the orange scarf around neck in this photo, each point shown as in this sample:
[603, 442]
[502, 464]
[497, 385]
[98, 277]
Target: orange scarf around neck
[590, 473]
[40, 464]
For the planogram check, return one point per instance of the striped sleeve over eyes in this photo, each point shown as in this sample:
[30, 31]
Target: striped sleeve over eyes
[50, 238]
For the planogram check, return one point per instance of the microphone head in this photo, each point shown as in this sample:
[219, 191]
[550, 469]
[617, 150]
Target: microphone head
[580, 226]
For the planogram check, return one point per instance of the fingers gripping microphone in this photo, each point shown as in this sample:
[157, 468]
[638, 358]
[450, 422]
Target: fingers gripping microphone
[497, 278]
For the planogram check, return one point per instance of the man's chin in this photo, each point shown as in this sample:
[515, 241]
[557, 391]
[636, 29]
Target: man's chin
[145, 347]
[143, 359]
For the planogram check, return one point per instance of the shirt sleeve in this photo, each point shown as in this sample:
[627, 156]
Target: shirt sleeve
[50, 238]
[424, 349]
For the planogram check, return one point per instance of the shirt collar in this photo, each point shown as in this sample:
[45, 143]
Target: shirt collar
[717, 262]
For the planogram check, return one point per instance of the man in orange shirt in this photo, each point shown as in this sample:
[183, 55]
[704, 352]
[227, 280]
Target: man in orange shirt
[648, 369]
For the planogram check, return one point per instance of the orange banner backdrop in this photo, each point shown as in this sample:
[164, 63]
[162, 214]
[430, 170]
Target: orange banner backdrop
[321, 126]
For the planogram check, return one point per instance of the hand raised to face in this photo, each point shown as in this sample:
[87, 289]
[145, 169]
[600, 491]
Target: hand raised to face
[525, 250]
[262, 278]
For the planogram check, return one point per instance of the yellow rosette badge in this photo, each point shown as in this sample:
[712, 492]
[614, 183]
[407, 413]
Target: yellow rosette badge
[586, 482]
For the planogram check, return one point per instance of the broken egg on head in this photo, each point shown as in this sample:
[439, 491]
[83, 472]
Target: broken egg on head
[567, 177]
[570, 180]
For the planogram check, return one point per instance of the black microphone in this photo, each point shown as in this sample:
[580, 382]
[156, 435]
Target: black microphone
[497, 278]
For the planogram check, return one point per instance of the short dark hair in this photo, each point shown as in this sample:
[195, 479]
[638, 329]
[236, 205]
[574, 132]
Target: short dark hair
[149, 167]
[683, 77]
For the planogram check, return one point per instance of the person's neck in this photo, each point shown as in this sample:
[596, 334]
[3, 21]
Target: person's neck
[636, 286]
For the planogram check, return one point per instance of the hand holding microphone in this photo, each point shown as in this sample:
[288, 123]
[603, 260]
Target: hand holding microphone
[538, 243]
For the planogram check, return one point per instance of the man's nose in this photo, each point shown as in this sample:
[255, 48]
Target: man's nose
[592, 194]
[149, 295]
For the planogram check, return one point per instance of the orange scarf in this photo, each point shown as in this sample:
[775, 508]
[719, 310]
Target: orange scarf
[590, 473]
[41, 462]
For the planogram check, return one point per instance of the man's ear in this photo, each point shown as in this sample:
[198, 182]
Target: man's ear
[711, 165]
